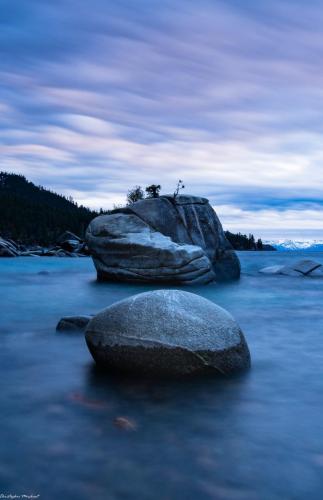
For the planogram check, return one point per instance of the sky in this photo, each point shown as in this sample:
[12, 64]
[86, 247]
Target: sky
[100, 96]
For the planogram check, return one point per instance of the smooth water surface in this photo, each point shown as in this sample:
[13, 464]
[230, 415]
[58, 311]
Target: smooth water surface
[257, 436]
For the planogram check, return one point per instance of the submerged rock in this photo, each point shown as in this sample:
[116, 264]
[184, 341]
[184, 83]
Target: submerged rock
[304, 267]
[167, 332]
[73, 323]
[318, 271]
[162, 240]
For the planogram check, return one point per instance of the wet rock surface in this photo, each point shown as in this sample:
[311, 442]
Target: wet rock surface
[8, 248]
[67, 245]
[167, 332]
[73, 323]
[176, 240]
[305, 267]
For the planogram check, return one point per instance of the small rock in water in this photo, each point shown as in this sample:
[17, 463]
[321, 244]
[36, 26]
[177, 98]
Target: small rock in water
[68, 235]
[167, 332]
[73, 323]
[125, 424]
[271, 270]
[304, 267]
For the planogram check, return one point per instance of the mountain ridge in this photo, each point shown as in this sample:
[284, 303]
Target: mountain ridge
[294, 245]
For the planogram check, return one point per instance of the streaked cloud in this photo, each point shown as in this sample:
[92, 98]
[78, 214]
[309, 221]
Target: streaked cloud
[95, 98]
[270, 223]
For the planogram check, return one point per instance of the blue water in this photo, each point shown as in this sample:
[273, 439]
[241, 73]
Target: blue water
[257, 436]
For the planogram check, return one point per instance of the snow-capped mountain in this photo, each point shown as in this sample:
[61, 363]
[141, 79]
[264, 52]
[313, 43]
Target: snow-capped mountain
[309, 245]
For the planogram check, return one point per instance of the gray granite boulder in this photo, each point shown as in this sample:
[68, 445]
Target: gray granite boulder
[126, 248]
[162, 240]
[167, 332]
[304, 267]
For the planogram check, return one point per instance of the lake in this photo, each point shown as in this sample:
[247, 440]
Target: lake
[256, 436]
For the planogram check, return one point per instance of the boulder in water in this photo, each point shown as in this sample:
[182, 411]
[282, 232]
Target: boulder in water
[167, 332]
[305, 267]
[125, 248]
[166, 239]
[73, 323]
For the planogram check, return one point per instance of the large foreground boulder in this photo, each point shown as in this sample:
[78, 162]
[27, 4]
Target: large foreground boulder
[304, 267]
[166, 239]
[167, 332]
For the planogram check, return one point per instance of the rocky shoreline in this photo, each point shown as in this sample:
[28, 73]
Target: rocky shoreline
[67, 245]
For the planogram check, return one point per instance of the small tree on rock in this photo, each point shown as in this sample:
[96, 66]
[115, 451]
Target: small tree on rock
[153, 190]
[180, 185]
[135, 194]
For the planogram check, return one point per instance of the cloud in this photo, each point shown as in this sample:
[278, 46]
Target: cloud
[273, 223]
[96, 98]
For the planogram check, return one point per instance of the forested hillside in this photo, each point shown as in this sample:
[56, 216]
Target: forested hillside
[32, 214]
[243, 242]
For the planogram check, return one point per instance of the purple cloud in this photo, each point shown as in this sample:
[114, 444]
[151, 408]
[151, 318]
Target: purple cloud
[96, 98]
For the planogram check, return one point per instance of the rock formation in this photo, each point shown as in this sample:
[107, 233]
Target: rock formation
[162, 240]
[304, 267]
[68, 245]
[167, 332]
[8, 248]
[73, 323]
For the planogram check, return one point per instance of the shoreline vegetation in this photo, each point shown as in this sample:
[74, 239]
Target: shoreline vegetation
[243, 242]
[38, 222]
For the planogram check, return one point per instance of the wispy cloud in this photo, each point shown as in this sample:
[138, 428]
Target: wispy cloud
[96, 98]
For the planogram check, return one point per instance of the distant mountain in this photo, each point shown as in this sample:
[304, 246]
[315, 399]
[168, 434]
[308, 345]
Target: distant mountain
[287, 245]
[32, 214]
